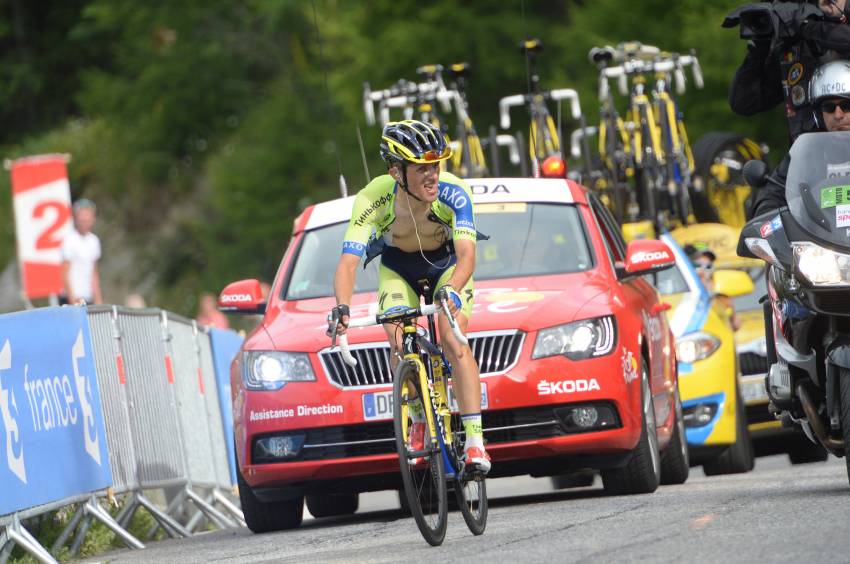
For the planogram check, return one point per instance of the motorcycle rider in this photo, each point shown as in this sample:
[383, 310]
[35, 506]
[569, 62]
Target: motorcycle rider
[421, 222]
[765, 79]
[829, 92]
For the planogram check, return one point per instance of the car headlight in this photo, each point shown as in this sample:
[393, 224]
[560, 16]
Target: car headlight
[271, 370]
[696, 346]
[578, 340]
[820, 266]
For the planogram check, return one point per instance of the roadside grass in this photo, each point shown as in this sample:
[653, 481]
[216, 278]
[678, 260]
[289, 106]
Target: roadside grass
[98, 539]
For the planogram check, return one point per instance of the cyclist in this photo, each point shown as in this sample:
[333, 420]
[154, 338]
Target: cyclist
[829, 92]
[421, 222]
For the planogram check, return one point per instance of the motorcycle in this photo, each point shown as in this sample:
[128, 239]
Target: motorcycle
[807, 308]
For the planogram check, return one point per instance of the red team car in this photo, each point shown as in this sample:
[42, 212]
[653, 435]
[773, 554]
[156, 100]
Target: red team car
[577, 361]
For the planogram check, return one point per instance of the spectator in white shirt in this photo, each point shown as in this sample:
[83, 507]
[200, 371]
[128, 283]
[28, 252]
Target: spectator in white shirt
[80, 253]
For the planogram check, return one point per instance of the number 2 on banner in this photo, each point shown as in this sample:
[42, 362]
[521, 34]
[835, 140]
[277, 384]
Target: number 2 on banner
[43, 215]
[48, 238]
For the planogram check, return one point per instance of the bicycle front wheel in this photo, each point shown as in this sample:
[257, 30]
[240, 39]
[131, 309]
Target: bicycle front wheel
[471, 492]
[422, 471]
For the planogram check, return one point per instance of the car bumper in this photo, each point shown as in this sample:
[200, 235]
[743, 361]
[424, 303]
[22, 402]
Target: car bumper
[709, 385]
[521, 422]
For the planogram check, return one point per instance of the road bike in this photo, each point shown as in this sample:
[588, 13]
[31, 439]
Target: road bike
[651, 145]
[426, 473]
[678, 156]
[614, 179]
[429, 101]
[544, 139]
[468, 160]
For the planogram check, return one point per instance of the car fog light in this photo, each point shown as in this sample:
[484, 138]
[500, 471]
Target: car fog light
[270, 449]
[699, 415]
[585, 416]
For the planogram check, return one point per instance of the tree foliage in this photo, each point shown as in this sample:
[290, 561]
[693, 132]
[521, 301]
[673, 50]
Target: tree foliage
[204, 127]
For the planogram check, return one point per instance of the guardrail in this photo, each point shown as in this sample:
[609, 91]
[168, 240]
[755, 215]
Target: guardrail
[107, 401]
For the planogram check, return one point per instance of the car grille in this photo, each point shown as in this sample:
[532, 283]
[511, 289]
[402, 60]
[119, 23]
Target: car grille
[494, 351]
[752, 363]
[370, 439]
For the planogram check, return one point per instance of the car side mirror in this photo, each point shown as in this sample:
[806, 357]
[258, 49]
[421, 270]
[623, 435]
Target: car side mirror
[732, 283]
[755, 173]
[244, 296]
[646, 256]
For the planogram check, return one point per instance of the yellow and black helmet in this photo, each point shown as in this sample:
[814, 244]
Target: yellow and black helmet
[413, 141]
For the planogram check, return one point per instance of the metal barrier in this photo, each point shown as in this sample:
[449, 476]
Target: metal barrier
[162, 426]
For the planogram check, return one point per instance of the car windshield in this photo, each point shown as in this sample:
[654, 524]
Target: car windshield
[670, 281]
[525, 240]
[751, 300]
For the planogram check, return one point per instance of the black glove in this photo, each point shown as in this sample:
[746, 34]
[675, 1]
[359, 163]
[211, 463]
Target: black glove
[335, 317]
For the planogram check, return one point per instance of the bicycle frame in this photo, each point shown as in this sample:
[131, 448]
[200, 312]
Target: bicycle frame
[433, 379]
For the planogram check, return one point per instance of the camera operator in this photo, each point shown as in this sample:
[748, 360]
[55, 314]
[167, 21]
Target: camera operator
[829, 92]
[787, 42]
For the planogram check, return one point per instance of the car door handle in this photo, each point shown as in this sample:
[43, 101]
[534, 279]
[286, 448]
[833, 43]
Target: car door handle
[659, 307]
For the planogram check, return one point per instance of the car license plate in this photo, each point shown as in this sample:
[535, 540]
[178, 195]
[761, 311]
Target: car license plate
[752, 389]
[378, 406]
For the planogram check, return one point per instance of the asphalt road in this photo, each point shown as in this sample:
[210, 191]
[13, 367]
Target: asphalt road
[777, 513]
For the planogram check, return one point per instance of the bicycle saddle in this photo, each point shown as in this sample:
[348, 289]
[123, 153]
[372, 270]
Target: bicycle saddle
[458, 70]
[601, 54]
[531, 46]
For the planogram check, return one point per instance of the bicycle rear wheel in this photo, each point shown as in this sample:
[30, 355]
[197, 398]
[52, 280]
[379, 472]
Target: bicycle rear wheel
[471, 492]
[422, 473]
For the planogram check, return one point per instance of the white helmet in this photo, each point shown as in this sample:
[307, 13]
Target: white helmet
[831, 80]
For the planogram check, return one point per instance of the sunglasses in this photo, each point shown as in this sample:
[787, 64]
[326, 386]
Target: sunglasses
[704, 266]
[435, 156]
[829, 107]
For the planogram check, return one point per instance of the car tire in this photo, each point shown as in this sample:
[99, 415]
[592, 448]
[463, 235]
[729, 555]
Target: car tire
[739, 457]
[265, 517]
[642, 473]
[805, 452]
[708, 148]
[844, 405]
[332, 505]
[675, 462]
[576, 480]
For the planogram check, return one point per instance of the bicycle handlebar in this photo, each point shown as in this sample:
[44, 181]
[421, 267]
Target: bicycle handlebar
[427, 310]
[673, 65]
[511, 143]
[505, 105]
[576, 138]
[446, 97]
[572, 96]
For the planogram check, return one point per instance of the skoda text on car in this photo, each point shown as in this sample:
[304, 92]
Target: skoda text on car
[576, 357]
[715, 419]
[769, 436]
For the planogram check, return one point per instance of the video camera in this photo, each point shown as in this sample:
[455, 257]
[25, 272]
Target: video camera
[772, 21]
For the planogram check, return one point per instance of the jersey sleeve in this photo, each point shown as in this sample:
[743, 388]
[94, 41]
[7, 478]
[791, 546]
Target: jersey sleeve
[457, 197]
[368, 205]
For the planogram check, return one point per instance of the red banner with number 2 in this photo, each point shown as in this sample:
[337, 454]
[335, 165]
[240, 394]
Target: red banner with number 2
[42, 201]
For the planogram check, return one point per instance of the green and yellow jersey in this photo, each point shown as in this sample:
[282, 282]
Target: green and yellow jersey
[374, 213]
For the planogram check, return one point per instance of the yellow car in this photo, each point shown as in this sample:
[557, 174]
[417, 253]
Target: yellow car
[715, 420]
[768, 435]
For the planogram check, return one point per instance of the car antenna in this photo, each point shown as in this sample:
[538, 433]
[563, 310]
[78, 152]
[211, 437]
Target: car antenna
[363, 155]
[343, 188]
[535, 170]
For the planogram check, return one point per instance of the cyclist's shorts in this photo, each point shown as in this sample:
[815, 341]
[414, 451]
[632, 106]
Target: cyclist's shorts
[400, 275]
